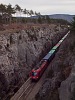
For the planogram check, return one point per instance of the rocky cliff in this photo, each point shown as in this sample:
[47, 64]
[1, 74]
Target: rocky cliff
[67, 87]
[20, 51]
[60, 82]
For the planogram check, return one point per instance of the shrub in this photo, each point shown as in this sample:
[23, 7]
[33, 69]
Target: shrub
[73, 24]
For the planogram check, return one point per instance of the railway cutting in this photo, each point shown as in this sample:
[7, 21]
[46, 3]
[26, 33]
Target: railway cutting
[29, 85]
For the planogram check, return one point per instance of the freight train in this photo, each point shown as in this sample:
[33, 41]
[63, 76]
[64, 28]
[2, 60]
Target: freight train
[38, 70]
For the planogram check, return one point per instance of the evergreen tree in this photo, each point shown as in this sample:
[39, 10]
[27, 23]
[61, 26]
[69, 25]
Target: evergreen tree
[31, 12]
[10, 11]
[2, 9]
[2, 12]
[73, 24]
[18, 10]
[39, 20]
[47, 19]
[25, 11]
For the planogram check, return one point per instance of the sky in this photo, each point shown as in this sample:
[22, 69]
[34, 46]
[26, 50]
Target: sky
[45, 7]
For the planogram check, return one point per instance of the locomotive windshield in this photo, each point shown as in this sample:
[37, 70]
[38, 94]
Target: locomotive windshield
[34, 73]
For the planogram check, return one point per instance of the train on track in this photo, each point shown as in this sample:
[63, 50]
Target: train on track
[38, 70]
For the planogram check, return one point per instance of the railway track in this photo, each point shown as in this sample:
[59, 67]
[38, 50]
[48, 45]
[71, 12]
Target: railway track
[24, 91]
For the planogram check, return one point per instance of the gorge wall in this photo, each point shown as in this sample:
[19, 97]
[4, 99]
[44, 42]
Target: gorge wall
[20, 51]
[60, 81]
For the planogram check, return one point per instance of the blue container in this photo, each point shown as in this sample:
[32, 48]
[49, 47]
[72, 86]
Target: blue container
[47, 56]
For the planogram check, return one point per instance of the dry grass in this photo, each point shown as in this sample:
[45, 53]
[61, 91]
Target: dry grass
[12, 28]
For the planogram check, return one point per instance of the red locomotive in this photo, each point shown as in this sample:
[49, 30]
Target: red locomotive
[36, 73]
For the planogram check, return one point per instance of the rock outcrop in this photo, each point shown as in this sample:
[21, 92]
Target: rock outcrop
[60, 82]
[67, 88]
[20, 51]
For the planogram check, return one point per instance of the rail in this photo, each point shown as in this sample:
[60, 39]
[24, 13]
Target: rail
[23, 92]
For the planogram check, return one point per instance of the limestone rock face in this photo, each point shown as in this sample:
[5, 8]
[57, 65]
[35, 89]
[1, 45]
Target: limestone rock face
[60, 83]
[19, 52]
[67, 88]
